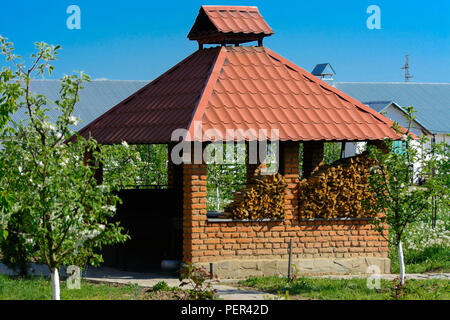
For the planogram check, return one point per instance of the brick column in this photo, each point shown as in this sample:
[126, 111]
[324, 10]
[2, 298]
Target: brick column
[194, 210]
[289, 153]
[312, 157]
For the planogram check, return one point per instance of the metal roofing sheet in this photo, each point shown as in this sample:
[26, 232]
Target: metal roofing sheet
[323, 69]
[97, 97]
[229, 24]
[258, 89]
[430, 100]
[237, 19]
[378, 106]
[151, 114]
[239, 88]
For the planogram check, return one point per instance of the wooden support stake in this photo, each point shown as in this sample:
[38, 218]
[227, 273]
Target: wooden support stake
[290, 261]
[211, 269]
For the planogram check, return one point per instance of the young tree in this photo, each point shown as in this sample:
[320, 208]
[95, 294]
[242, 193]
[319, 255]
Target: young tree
[438, 167]
[9, 94]
[399, 201]
[68, 212]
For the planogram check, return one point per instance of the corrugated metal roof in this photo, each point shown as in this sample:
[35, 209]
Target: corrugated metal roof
[378, 106]
[239, 88]
[96, 97]
[430, 100]
[216, 24]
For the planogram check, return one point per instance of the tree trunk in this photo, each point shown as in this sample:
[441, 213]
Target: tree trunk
[55, 284]
[217, 198]
[401, 261]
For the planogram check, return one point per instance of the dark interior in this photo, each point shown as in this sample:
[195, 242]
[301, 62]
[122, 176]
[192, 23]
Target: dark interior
[153, 219]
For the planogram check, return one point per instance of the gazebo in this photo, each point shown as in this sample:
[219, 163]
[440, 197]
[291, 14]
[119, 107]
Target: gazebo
[226, 87]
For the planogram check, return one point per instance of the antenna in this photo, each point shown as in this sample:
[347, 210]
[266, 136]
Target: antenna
[406, 68]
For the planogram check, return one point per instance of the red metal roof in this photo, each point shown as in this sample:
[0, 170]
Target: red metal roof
[239, 88]
[151, 114]
[237, 19]
[259, 89]
[229, 24]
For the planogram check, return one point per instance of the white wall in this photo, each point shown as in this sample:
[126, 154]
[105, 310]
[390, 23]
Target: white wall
[394, 114]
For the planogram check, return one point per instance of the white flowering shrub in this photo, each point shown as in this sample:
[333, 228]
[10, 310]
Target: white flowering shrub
[420, 235]
[55, 210]
[135, 165]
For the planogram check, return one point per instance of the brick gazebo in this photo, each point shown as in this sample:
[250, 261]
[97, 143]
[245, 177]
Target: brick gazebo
[248, 89]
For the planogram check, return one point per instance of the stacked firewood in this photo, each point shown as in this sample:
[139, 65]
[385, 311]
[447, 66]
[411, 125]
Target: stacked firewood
[263, 198]
[338, 190]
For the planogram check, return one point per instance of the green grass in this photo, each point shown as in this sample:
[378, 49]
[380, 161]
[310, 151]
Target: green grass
[37, 288]
[348, 289]
[434, 259]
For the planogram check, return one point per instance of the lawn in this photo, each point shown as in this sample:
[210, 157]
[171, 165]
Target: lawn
[348, 289]
[426, 249]
[432, 259]
[39, 288]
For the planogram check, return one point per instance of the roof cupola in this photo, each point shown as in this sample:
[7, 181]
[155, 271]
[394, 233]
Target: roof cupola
[229, 25]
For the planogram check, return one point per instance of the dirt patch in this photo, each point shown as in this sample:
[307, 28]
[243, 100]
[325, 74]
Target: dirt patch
[146, 293]
[165, 295]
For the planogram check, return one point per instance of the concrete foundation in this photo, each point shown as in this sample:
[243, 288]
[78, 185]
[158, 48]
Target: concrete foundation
[240, 269]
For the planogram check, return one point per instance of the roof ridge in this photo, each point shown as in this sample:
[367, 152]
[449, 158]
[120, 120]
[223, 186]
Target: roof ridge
[214, 73]
[228, 7]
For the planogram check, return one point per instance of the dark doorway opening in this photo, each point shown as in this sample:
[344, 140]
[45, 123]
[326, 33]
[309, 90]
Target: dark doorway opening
[153, 219]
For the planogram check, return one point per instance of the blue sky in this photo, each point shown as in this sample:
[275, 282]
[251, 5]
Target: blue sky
[138, 40]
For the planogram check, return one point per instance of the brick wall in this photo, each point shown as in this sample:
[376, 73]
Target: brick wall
[194, 210]
[206, 241]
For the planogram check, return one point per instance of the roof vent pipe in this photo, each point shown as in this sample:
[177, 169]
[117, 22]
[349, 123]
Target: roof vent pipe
[324, 71]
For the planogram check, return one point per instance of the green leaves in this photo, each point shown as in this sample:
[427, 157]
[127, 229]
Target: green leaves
[67, 213]
[394, 179]
[133, 165]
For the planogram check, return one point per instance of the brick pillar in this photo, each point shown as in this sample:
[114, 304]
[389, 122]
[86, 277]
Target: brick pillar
[312, 157]
[289, 153]
[194, 210]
